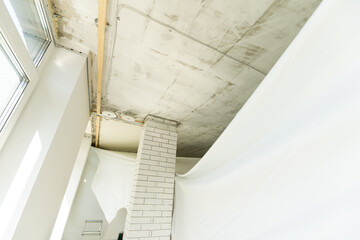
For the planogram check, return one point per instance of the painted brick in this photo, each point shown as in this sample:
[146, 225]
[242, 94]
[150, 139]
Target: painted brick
[165, 226]
[140, 220]
[160, 233]
[162, 131]
[154, 201]
[138, 201]
[139, 233]
[144, 195]
[151, 203]
[154, 190]
[152, 214]
[159, 159]
[134, 227]
[157, 168]
[145, 183]
[159, 149]
[170, 137]
[169, 190]
[166, 145]
[145, 156]
[165, 185]
[169, 169]
[152, 226]
[169, 180]
[154, 134]
[163, 207]
[136, 213]
[139, 188]
[146, 147]
[142, 177]
[166, 213]
[162, 220]
[164, 196]
[164, 238]
[148, 172]
[166, 174]
[149, 162]
[149, 138]
[171, 151]
[150, 238]
[166, 164]
[150, 129]
[168, 155]
[160, 140]
[151, 143]
[156, 179]
[144, 167]
[151, 152]
[171, 160]
[138, 207]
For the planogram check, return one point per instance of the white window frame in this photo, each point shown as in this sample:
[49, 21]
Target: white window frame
[31, 69]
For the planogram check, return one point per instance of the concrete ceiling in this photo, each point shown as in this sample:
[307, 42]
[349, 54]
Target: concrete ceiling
[193, 61]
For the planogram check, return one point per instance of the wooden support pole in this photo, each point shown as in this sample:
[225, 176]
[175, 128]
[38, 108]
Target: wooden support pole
[100, 62]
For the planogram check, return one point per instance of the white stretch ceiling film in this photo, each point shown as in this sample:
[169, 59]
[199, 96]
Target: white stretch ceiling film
[113, 180]
[287, 167]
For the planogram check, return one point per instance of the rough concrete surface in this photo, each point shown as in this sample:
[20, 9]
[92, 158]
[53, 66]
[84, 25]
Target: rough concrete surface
[193, 61]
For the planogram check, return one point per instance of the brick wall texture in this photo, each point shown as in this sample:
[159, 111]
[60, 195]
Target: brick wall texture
[150, 210]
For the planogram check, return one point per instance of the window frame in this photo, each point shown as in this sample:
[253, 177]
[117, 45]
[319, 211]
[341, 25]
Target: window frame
[30, 68]
[10, 106]
[47, 29]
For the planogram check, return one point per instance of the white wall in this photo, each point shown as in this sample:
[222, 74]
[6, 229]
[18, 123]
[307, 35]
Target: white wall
[37, 159]
[72, 188]
[287, 166]
[86, 206]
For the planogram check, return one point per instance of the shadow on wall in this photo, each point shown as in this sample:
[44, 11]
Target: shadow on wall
[86, 207]
[112, 230]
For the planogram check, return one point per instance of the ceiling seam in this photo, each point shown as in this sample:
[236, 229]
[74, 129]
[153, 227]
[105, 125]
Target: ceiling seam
[256, 24]
[187, 36]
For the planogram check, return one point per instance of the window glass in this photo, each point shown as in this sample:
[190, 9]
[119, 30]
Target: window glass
[30, 24]
[12, 82]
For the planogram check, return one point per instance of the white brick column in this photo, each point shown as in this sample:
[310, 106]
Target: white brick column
[150, 210]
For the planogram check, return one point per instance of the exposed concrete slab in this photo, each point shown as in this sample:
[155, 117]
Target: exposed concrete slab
[194, 61]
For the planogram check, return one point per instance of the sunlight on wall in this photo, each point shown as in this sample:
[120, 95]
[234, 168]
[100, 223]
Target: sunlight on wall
[61, 220]
[18, 185]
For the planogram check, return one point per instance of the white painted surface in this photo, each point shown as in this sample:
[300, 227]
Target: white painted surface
[38, 156]
[118, 136]
[113, 180]
[287, 167]
[71, 189]
[85, 206]
[13, 38]
[150, 209]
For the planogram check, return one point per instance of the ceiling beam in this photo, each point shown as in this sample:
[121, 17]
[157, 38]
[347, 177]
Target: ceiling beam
[100, 62]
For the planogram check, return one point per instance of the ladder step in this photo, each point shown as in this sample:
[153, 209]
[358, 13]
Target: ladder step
[92, 233]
